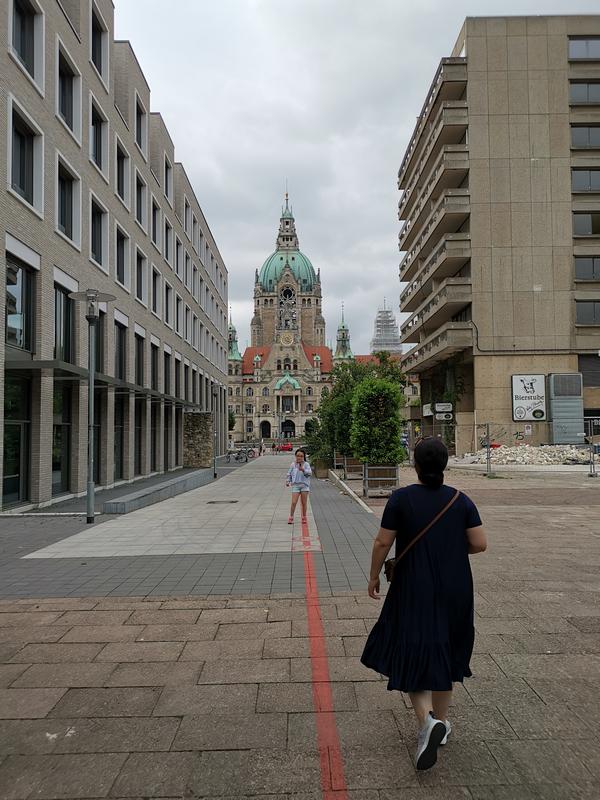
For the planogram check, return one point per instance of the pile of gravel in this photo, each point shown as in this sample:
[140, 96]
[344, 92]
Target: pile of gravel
[547, 454]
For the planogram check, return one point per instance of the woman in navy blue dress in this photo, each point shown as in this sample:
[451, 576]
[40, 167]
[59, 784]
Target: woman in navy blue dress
[424, 637]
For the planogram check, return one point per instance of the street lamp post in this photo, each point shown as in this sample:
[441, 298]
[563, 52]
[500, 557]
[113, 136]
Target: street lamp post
[215, 393]
[92, 299]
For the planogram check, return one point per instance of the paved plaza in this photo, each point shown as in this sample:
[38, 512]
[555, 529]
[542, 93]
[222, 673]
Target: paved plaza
[219, 667]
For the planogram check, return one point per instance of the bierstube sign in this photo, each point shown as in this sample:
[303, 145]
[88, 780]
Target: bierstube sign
[529, 398]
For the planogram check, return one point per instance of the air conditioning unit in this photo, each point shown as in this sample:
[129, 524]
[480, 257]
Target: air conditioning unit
[565, 394]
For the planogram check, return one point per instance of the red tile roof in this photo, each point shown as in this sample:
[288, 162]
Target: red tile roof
[248, 358]
[323, 352]
[372, 359]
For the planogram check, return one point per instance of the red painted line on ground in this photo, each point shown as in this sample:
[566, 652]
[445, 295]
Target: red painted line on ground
[333, 781]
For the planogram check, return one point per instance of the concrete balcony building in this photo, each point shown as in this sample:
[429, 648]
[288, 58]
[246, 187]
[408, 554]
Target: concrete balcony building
[500, 218]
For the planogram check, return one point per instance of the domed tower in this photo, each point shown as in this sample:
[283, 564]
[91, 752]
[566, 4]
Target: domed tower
[287, 292]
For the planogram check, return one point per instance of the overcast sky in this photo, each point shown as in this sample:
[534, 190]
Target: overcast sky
[322, 92]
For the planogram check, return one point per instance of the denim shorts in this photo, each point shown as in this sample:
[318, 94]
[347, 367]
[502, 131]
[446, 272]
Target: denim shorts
[298, 488]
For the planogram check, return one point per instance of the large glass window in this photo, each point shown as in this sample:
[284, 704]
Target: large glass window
[140, 126]
[177, 378]
[155, 222]
[119, 437]
[587, 268]
[23, 140]
[65, 201]
[140, 413]
[141, 287]
[120, 351]
[167, 374]
[139, 359]
[140, 201]
[98, 134]
[122, 174]
[585, 180]
[584, 93]
[99, 341]
[23, 37]
[584, 49]
[19, 304]
[154, 356]
[585, 136]
[122, 258]
[66, 90]
[63, 325]
[168, 304]
[99, 44]
[61, 438]
[587, 312]
[17, 421]
[98, 227]
[586, 223]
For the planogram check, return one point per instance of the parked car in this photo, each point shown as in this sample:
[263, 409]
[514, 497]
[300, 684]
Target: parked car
[285, 447]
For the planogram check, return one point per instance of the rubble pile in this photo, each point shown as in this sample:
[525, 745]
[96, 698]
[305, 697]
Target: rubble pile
[549, 454]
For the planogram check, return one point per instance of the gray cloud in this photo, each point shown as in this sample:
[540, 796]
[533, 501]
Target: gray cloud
[323, 92]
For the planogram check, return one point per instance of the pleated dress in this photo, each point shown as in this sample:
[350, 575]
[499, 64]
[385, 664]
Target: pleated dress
[423, 639]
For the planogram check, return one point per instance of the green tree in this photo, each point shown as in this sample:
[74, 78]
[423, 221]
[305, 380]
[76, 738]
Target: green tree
[231, 420]
[375, 428]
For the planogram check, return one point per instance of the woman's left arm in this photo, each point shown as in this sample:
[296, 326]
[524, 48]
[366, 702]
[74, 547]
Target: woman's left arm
[381, 547]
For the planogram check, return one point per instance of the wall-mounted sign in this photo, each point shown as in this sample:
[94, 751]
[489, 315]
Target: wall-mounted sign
[443, 407]
[529, 398]
[427, 410]
[528, 430]
[445, 416]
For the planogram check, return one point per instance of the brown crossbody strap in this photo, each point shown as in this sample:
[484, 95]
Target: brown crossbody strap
[391, 563]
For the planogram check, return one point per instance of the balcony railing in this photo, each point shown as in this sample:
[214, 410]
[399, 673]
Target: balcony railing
[446, 301]
[452, 159]
[453, 70]
[450, 202]
[453, 338]
[454, 250]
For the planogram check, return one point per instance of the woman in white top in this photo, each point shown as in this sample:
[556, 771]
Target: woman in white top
[298, 477]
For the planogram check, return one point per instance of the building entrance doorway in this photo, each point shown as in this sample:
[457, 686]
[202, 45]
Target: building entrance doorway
[288, 429]
[265, 429]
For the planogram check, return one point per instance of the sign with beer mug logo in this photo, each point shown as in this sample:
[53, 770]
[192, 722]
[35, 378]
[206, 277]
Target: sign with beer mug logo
[529, 398]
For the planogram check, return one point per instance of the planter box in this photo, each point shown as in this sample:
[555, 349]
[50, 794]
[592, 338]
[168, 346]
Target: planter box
[353, 468]
[380, 480]
[321, 468]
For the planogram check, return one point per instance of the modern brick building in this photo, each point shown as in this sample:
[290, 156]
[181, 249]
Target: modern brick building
[501, 218]
[94, 198]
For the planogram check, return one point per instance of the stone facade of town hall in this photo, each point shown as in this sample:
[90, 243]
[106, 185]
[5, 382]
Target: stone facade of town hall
[277, 384]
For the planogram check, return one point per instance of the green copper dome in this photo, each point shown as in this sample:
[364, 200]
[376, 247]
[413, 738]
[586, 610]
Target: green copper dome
[303, 270]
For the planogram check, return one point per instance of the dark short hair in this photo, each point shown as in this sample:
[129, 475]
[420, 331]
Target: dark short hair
[300, 450]
[431, 459]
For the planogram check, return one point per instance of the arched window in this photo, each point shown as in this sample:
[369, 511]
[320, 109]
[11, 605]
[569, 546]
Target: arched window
[229, 370]
[266, 408]
[287, 364]
[295, 367]
[309, 390]
[266, 391]
[279, 364]
[309, 407]
[249, 392]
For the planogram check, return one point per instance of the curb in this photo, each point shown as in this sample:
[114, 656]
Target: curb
[335, 478]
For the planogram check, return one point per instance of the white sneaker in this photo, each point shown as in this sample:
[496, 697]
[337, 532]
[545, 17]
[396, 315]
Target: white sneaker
[448, 732]
[430, 738]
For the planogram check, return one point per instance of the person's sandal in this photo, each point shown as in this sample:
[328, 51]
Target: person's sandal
[290, 520]
[304, 519]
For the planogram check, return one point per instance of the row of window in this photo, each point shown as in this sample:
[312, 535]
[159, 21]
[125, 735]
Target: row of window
[266, 409]
[20, 318]
[584, 92]
[584, 49]
[265, 392]
[27, 47]
[25, 141]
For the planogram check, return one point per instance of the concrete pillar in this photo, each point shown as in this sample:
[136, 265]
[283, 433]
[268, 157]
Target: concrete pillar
[129, 437]
[40, 475]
